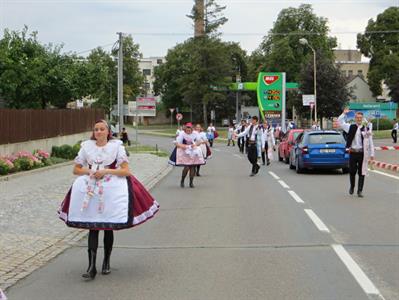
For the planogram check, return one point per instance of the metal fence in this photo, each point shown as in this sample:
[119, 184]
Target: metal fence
[21, 125]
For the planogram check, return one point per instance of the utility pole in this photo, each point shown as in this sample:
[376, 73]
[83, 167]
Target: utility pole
[120, 81]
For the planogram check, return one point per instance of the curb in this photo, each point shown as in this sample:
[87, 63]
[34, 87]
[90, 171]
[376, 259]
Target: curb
[30, 172]
[383, 165]
[387, 148]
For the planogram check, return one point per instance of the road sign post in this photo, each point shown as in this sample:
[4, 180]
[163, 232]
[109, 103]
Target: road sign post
[171, 116]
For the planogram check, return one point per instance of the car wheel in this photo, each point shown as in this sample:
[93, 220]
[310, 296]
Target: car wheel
[345, 170]
[279, 156]
[298, 169]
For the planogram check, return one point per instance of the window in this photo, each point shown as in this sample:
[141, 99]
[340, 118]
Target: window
[360, 73]
[343, 72]
[147, 72]
[159, 61]
[350, 73]
[326, 138]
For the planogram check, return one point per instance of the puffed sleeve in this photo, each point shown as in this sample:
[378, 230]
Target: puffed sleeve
[81, 158]
[121, 155]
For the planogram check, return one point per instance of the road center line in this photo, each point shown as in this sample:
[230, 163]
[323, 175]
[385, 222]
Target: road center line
[283, 184]
[274, 175]
[296, 197]
[356, 271]
[385, 174]
[316, 220]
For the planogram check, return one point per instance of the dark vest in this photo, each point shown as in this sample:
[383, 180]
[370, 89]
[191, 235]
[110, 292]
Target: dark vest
[351, 135]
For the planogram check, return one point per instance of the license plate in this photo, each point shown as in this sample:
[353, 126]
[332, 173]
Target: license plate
[327, 150]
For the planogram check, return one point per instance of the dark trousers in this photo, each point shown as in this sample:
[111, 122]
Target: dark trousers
[253, 157]
[394, 135]
[355, 166]
[241, 144]
[264, 154]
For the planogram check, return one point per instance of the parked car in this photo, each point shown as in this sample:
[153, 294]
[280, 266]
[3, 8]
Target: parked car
[286, 144]
[319, 149]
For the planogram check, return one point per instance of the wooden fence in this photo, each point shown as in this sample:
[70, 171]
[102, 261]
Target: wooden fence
[21, 125]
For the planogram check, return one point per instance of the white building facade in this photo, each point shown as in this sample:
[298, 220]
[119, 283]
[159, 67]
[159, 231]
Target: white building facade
[147, 66]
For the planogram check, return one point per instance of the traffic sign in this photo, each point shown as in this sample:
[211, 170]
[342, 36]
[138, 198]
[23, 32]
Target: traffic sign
[377, 114]
[171, 110]
[179, 117]
[307, 100]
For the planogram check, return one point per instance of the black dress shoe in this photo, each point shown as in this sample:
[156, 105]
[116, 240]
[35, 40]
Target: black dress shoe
[252, 174]
[360, 194]
[351, 190]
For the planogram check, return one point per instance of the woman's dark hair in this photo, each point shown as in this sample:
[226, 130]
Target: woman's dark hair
[109, 136]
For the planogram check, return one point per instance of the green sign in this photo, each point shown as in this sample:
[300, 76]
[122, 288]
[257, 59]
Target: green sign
[271, 90]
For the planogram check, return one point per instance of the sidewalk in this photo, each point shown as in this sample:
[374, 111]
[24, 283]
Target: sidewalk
[31, 233]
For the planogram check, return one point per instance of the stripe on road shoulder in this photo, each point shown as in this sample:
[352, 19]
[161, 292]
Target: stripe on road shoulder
[274, 175]
[356, 271]
[385, 174]
[296, 197]
[283, 184]
[316, 220]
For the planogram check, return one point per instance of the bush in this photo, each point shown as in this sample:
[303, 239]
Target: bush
[23, 164]
[384, 124]
[65, 151]
[4, 168]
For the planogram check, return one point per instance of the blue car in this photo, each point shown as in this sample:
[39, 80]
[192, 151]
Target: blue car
[322, 149]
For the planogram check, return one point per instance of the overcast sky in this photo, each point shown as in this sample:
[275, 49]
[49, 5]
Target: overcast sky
[157, 25]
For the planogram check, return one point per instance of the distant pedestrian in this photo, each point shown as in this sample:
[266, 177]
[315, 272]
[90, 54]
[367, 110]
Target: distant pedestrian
[124, 137]
[105, 196]
[394, 132]
[210, 134]
[360, 144]
[269, 143]
[203, 143]
[315, 126]
[230, 133]
[240, 141]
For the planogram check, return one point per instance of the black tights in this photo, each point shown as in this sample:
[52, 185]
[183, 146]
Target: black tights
[187, 169]
[108, 239]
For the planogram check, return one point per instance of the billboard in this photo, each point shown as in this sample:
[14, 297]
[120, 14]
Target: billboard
[142, 107]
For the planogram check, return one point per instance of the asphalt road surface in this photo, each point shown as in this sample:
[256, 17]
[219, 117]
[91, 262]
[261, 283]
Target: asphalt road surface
[278, 235]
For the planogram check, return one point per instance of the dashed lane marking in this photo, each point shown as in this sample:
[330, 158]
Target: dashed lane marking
[316, 220]
[296, 197]
[283, 184]
[356, 271]
[274, 175]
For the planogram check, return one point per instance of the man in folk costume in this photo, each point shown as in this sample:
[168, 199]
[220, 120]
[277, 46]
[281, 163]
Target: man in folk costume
[241, 141]
[270, 142]
[252, 133]
[361, 147]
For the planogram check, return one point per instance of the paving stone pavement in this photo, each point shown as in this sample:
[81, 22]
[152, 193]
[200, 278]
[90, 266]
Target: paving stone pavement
[30, 232]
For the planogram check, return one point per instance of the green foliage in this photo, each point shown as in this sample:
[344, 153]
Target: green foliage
[384, 124]
[332, 94]
[65, 151]
[4, 168]
[383, 49]
[23, 164]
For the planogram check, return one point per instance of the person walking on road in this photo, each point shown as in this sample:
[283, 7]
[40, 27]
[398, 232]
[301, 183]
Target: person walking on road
[241, 140]
[105, 196]
[394, 132]
[124, 137]
[211, 134]
[252, 133]
[361, 148]
[270, 143]
[187, 154]
[230, 133]
[203, 143]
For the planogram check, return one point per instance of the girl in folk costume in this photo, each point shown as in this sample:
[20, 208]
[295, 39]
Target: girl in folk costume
[203, 143]
[211, 134]
[105, 196]
[270, 143]
[187, 154]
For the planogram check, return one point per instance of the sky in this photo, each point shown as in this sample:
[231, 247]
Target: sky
[158, 25]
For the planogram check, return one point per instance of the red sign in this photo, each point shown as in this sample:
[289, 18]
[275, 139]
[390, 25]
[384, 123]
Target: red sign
[270, 79]
[179, 117]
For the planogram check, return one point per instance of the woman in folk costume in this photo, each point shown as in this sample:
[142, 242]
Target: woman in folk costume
[270, 143]
[203, 141]
[187, 154]
[105, 196]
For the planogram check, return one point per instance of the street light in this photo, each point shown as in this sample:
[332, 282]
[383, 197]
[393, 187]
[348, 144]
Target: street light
[304, 41]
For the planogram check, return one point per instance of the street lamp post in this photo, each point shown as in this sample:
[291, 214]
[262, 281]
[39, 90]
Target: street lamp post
[304, 41]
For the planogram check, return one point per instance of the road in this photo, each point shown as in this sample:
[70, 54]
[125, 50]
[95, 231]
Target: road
[279, 235]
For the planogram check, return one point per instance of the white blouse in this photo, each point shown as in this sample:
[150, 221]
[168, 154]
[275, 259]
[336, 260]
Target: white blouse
[91, 154]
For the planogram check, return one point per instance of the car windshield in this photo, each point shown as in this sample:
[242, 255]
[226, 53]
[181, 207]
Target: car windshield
[326, 138]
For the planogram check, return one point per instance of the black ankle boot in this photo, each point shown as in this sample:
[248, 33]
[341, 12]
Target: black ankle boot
[191, 182]
[91, 270]
[106, 265]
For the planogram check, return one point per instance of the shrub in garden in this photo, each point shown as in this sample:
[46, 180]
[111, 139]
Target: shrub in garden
[384, 124]
[6, 166]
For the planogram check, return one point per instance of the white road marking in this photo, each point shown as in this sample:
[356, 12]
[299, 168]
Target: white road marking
[385, 174]
[283, 184]
[238, 156]
[274, 175]
[356, 271]
[296, 197]
[316, 220]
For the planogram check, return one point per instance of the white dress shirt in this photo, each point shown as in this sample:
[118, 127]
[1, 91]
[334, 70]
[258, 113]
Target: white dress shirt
[255, 130]
[357, 140]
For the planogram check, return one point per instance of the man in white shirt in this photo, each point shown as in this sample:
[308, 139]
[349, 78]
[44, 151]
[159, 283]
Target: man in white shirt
[252, 133]
[394, 132]
[355, 143]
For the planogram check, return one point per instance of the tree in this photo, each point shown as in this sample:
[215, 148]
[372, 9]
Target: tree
[380, 44]
[332, 94]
